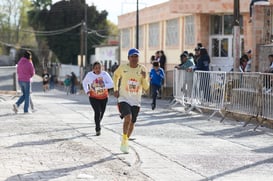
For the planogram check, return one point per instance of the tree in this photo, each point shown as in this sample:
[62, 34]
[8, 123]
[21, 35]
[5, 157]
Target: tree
[66, 15]
[41, 4]
[12, 19]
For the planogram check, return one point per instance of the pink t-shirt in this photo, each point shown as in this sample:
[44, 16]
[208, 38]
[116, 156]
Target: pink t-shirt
[25, 70]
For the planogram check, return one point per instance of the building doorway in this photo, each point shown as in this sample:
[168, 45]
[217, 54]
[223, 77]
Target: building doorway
[221, 42]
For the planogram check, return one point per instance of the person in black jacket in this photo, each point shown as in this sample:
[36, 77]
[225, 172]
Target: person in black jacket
[162, 59]
[203, 65]
[73, 81]
[203, 61]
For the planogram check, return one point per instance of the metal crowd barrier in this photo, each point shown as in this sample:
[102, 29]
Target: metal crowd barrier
[243, 97]
[267, 96]
[199, 89]
[168, 84]
[182, 87]
[208, 91]
[247, 93]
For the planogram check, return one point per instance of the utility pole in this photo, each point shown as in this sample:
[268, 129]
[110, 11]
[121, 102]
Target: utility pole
[82, 43]
[85, 34]
[236, 35]
[82, 49]
[83, 46]
[137, 27]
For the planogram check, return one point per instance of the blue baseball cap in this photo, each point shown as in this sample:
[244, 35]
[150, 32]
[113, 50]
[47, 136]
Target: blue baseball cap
[133, 51]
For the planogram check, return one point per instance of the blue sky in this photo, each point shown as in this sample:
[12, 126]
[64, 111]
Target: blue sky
[118, 7]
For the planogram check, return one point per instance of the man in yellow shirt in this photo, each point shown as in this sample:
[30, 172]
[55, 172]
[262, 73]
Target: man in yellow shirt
[129, 81]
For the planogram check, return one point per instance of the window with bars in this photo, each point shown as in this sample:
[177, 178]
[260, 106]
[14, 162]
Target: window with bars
[189, 30]
[125, 38]
[172, 35]
[154, 35]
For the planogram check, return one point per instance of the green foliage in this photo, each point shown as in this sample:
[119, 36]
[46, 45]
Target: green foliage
[41, 4]
[13, 18]
[63, 15]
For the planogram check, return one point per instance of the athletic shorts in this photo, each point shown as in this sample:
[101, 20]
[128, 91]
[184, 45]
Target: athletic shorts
[126, 109]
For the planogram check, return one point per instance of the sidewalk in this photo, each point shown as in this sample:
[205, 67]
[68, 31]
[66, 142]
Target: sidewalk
[57, 142]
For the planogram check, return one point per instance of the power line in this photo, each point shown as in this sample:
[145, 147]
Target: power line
[57, 32]
[60, 31]
[53, 32]
[15, 46]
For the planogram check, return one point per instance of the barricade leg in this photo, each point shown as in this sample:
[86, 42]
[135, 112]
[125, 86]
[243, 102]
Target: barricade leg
[213, 114]
[191, 108]
[261, 124]
[247, 122]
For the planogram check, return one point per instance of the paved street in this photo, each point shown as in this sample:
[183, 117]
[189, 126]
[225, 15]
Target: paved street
[57, 142]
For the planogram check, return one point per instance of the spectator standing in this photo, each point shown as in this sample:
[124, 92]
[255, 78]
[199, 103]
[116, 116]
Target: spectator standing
[185, 62]
[114, 67]
[152, 59]
[30, 90]
[203, 65]
[157, 55]
[45, 77]
[25, 71]
[156, 78]
[129, 81]
[162, 59]
[249, 57]
[162, 63]
[73, 81]
[67, 83]
[197, 55]
[199, 45]
[52, 81]
[270, 67]
[203, 60]
[268, 78]
[191, 58]
[243, 63]
[30, 97]
[96, 84]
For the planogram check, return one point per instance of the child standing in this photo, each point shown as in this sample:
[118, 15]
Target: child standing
[67, 83]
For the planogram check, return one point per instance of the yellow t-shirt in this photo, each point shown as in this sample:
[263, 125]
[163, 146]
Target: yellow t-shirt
[130, 83]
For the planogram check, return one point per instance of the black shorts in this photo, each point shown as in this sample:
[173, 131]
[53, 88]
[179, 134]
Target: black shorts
[126, 109]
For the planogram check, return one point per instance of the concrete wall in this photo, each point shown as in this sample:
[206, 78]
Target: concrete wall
[261, 27]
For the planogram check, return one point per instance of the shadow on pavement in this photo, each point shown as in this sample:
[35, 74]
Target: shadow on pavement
[239, 169]
[62, 172]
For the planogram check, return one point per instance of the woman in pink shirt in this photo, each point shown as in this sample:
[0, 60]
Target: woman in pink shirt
[25, 71]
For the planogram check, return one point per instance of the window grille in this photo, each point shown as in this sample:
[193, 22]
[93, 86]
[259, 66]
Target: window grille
[189, 30]
[172, 35]
[154, 35]
[125, 38]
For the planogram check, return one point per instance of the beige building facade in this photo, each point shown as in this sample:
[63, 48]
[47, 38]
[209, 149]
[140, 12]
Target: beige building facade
[178, 25]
